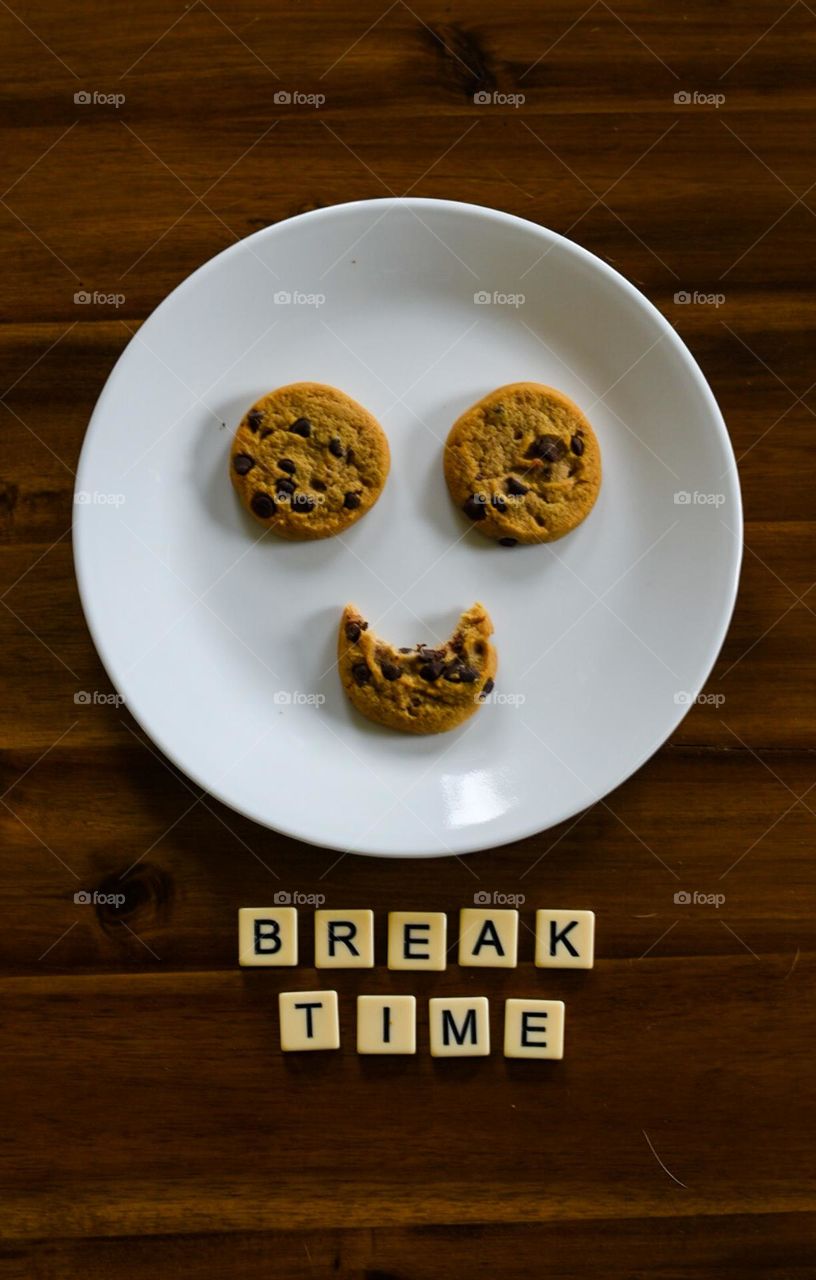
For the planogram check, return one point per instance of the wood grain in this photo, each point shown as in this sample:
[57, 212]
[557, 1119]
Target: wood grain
[729, 1246]
[153, 1124]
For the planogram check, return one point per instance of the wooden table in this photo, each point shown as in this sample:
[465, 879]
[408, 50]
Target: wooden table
[152, 1124]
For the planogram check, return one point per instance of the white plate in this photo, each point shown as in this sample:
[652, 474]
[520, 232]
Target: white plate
[223, 644]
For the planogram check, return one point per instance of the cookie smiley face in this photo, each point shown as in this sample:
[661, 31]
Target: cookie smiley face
[523, 464]
[419, 689]
[307, 461]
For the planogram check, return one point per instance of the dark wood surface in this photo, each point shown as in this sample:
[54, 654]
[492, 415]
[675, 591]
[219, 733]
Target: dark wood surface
[151, 1125]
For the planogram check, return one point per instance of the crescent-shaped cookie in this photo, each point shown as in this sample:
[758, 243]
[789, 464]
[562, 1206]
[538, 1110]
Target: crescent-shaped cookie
[420, 689]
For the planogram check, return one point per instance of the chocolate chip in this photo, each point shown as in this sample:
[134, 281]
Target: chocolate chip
[287, 465]
[264, 432]
[431, 671]
[553, 450]
[350, 456]
[430, 655]
[488, 688]
[475, 507]
[351, 501]
[353, 632]
[282, 485]
[263, 505]
[577, 446]
[302, 503]
[301, 427]
[336, 447]
[254, 419]
[243, 463]
[318, 486]
[548, 448]
[498, 502]
[508, 542]
[390, 670]
[457, 672]
[515, 487]
[405, 651]
[364, 625]
[361, 672]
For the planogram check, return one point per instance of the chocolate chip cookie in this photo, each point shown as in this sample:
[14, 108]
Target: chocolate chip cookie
[523, 464]
[419, 689]
[307, 461]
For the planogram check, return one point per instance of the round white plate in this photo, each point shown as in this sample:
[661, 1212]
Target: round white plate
[222, 639]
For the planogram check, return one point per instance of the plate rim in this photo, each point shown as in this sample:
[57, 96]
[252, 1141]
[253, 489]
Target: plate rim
[730, 478]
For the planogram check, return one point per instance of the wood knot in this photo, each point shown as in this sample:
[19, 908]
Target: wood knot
[9, 494]
[144, 893]
[463, 57]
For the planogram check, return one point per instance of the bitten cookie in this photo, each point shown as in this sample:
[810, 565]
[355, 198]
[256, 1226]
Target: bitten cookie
[419, 690]
[307, 461]
[523, 464]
